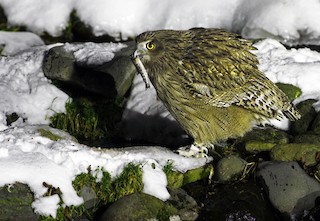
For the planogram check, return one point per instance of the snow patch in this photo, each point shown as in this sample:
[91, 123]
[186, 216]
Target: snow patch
[293, 22]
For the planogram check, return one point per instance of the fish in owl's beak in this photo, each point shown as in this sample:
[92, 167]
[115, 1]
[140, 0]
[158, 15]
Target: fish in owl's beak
[136, 57]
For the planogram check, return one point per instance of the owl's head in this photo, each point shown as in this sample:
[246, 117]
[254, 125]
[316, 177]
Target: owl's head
[149, 48]
[156, 50]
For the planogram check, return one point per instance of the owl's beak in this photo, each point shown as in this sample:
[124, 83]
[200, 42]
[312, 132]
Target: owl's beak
[138, 53]
[136, 59]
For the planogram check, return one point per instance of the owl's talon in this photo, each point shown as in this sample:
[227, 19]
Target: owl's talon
[193, 151]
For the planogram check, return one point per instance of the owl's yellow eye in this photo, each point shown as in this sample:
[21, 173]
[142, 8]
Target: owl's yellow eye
[150, 46]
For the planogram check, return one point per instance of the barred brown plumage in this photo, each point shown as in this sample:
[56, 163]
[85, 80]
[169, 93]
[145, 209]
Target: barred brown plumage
[209, 81]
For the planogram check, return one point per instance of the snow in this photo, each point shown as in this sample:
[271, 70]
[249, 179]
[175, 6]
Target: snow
[91, 54]
[47, 205]
[22, 83]
[18, 41]
[29, 158]
[155, 178]
[293, 22]
[22, 80]
[299, 67]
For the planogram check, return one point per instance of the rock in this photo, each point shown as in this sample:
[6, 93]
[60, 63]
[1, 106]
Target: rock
[138, 207]
[58, 64]
[290, 189]
[177, 179]
[230, 168]
[308, 114]
[121, 69]
[306, 153]
[187, 207]
[313, 214]
[308, 138]
[89, 197]
[111, 79]
[290, 90]
[197, 174]
[264, 139]
[241, 201]
[15, 203]
[315, 127]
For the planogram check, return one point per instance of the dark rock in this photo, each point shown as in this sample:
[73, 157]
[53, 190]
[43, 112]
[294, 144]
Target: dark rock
[263, 139]
[314, 213]
[315, 127]
[138, 207]
[242, 201]
[290, 189]
[308, 154]
[89, 197]
[187, 207]
[121, 69]
[112, 79]
[290, 90]
[307, 138]
[230, 168]
[58, 64]
[15, 203]
[308, 114]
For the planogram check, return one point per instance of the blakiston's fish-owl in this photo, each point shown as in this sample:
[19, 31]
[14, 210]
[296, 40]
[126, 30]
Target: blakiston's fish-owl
[209, 81]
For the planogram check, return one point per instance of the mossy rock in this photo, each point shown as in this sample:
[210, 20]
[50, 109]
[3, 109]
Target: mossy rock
[308, 114]
[230, 168]
[15, 203]
[265, 139]
[308, 154]
[290, 90]
[177, 179]
[54, 134]
[138, 207]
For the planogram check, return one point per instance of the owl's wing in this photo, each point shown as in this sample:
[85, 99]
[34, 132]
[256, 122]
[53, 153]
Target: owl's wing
[219, 70]
[258, 95]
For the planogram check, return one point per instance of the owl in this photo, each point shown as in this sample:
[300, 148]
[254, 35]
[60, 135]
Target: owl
[209, 81]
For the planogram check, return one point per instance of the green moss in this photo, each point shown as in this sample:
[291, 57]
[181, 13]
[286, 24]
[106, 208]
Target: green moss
[290, 90]
[106, 190]
[197, 174]
[49, 134]
[88, 121]
[164, 213]
[129, 181]
[177, 179]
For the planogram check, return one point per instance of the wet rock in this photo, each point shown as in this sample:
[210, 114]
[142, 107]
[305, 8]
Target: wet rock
[230, 168]
[290, 189]
[187, 207]
[290, 90]
[15, 203]
[308, 114]
[138, 207]
[306, 153]
[264, 139]
[111, 79]
[241, 201]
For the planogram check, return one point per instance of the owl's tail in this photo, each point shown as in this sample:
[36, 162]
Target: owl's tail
[292, 113]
